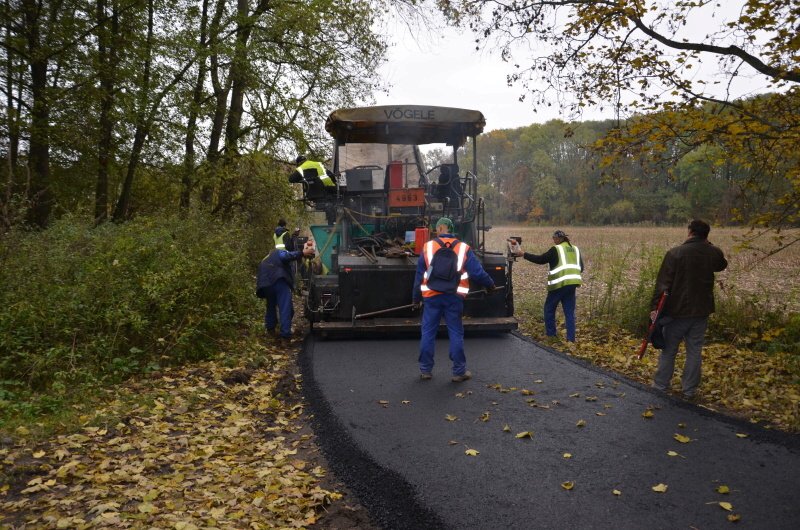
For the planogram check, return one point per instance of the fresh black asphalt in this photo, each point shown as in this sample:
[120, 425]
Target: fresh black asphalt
[387, 436]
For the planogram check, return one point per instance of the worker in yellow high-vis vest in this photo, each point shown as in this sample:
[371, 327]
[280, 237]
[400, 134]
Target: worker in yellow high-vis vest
[566, 266]
[309, 171]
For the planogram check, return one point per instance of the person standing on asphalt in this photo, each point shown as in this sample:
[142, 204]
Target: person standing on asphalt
[444, 270]
[566, 266]
[687, 276]
[275, 283]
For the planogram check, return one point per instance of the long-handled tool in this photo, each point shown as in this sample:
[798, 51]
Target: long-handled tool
[486, 291]
[652, 326]
[408, 306]
[382, 311]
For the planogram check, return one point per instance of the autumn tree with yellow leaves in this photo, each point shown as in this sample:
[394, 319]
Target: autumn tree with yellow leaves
[678, 76]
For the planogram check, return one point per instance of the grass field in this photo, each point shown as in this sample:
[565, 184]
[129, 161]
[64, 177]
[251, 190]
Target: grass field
[752, 357]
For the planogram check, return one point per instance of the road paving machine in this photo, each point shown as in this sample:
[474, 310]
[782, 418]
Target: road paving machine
[383, 210]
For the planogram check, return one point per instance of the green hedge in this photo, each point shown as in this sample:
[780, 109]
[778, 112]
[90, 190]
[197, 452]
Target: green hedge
[83, 304]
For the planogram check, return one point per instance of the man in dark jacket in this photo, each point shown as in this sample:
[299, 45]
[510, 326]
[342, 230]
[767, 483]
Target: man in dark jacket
[687, 275]
[275, 283]
[566, 266]
[444, 297]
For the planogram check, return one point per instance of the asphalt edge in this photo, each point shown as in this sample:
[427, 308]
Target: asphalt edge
[392, 502]
[753, 430]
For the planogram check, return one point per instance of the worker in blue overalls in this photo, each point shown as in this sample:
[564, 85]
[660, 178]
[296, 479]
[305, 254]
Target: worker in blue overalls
[275, 283]
[444, 270]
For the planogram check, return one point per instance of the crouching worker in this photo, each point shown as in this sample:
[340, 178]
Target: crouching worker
[444, 271]
[275, 283]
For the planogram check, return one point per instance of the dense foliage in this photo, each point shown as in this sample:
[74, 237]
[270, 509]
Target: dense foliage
[85, 305]
[680, 77]
[101, 95]
[552, 173]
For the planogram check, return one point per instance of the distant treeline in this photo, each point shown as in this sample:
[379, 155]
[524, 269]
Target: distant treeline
[554, 173]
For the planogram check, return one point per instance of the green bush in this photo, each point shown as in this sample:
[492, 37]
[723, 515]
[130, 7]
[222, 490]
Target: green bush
[83, 304]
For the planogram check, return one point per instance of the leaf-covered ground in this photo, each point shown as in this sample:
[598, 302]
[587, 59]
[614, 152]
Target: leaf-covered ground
[215, 445]
[759, 386]
[748, 384]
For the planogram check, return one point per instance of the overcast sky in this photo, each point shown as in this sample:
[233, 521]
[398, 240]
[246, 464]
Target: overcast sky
[448, 71]
[444, 69]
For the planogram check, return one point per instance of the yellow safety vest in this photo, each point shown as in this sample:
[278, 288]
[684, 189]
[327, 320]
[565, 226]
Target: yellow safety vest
[322, 173]
[568, 269]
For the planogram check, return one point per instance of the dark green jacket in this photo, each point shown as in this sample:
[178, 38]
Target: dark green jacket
[687, 274]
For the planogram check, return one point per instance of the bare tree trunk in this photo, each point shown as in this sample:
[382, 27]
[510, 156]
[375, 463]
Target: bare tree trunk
[123, 203]
[197, 98]
[13, 129]
[39, 193]
[107, 58]
[221, 91]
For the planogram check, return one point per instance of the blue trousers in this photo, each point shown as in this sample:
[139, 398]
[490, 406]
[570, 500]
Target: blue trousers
[449, 306]
[279, 300]
[566, 297]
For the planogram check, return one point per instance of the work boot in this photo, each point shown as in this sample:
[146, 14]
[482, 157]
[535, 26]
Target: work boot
[425, 376]
[463, 377]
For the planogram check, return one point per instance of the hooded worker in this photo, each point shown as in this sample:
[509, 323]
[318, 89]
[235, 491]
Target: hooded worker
[566, 266]
[444, 271]
[279, 237]
[309, 171]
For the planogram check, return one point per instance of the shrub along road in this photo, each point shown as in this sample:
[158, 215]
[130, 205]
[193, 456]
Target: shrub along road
[536, 439]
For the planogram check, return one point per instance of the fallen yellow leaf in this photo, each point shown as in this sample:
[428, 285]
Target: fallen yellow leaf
[568, 485]
[525, 434]
[383, 402]
[726, 506]
[733, 517]
[648, 413]
[723, 489]
[741, 435]
[450, 417]
[471, 452]
[581, 423]
[616, 492]
[38, 454]
[506, 428]
[682, 439]
[405, 402]
[660, 488]
[567, 455]
[672, 453]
